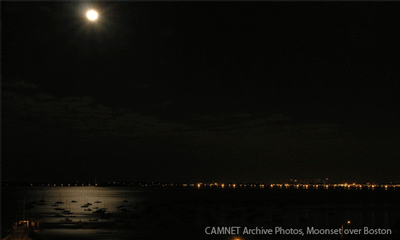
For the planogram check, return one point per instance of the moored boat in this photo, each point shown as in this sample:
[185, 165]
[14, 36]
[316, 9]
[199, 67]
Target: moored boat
[101, 211]
[66, 220]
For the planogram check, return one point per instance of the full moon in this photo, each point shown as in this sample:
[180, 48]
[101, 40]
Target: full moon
[92, 15]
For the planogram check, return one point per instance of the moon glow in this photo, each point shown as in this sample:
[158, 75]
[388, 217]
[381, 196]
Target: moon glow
[92, 15]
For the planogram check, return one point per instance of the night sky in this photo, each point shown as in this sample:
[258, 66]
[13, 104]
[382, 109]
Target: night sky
[200, 92]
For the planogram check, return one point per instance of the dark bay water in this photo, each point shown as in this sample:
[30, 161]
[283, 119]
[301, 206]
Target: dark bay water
[184, 213]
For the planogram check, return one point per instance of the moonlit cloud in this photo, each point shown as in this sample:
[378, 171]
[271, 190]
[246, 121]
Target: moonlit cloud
[22, 84]
[82, 113]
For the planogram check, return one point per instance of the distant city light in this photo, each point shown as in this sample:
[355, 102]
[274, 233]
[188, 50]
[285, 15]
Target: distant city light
[273, 186]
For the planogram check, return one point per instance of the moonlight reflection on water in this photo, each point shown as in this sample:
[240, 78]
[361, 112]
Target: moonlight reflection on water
[146, 212]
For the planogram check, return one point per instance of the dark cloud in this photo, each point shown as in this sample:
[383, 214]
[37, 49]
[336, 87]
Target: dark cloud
[20, 84]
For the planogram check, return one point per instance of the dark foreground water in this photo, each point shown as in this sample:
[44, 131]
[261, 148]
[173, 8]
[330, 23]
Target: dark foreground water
[184, 213]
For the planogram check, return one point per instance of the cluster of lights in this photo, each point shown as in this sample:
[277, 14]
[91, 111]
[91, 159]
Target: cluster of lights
[305, 186]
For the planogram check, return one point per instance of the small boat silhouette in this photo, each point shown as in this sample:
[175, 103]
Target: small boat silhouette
[60, 202]
[67, 220]
[101, 211]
